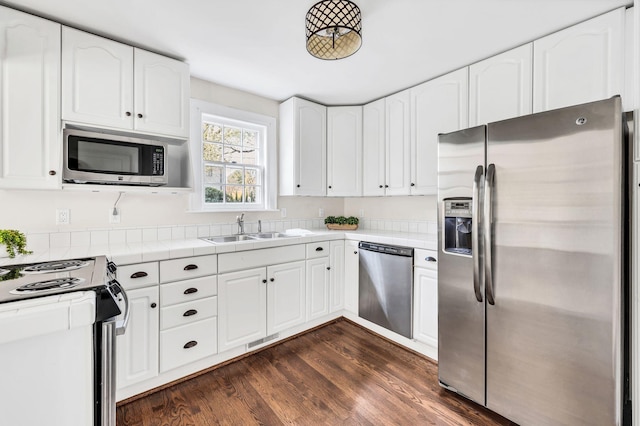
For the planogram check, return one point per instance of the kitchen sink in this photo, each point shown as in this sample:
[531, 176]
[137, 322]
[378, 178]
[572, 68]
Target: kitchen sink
[245, 237]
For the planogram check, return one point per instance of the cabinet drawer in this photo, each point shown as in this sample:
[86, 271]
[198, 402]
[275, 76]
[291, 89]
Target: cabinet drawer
[188, 267]
[184, 291]
[425, 259]
[188, 343]
[189, 312]
[320, 249]
[138, 275]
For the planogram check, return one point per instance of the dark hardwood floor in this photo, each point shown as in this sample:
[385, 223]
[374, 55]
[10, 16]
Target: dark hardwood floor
[339, 374]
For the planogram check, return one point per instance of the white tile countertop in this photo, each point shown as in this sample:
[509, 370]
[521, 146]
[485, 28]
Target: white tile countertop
[128, 253]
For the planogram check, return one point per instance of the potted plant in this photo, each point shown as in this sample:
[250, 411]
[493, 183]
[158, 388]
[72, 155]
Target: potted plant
[13, 241]
[341, 222]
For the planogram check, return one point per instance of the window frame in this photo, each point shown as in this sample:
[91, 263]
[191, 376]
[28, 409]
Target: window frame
[199, 110]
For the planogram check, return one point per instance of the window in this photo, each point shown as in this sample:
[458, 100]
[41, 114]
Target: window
[235, 165]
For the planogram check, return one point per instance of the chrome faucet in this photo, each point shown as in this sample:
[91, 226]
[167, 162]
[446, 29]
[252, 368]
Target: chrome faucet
[240, 220]
[259, 226]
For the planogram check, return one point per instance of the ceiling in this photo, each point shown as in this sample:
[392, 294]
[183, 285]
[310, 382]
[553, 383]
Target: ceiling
[259, 45]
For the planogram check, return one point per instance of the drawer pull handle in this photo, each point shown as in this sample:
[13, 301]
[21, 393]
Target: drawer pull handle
[190, 267]
[191, 290]
[430, 259]
[190, 344]
[319, 249]
[189, 313]
[140, 274]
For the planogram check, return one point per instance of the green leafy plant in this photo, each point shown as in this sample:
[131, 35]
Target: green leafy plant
[14, 241]
[341, 220]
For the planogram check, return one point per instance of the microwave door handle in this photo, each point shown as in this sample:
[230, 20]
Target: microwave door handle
[475, 252]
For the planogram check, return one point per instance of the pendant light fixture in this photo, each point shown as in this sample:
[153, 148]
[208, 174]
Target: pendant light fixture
[334, 29]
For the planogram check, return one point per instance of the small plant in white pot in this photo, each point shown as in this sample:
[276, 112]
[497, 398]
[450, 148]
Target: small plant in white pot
[12, 242]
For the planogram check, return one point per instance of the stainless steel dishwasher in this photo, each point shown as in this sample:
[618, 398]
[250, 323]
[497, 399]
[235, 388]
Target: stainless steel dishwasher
[386, 286]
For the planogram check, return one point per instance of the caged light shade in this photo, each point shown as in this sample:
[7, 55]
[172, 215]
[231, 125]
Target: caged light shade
[334, 29]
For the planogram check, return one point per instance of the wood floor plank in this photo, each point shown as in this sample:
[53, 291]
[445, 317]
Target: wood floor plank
[339, 374]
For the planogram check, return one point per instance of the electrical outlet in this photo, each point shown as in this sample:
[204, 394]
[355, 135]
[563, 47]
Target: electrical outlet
[283, 212]
[114, 218]
[62, 217]
[320, 212]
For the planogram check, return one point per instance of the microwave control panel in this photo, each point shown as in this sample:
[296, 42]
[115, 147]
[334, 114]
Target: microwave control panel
[158, 161]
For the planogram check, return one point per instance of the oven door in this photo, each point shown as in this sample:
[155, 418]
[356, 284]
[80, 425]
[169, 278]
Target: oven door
[46, 360]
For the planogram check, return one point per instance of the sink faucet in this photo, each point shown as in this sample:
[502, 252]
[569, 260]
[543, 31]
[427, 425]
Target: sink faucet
[259, 226]
[240, 220]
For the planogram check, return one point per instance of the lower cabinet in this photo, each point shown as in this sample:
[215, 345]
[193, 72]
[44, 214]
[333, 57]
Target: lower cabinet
[317, 287]
[137, 349]
[259, 302]
[336, 275]
[425, 284]
[351, 276]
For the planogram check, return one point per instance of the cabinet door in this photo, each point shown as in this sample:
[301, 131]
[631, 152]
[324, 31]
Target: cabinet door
[161, 96]
[97, 80]
[29, 101]
[351, 276]
[137, 349]
[317, 287]
[501, 87]
[286, 296]
[336, 276]
[242, 307]
[437, 106]
[373, 148]
[425, 320]
[582, 63]
[344, 151]
[398, 143]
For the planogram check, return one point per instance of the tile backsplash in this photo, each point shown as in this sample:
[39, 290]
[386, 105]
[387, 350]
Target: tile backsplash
[42, 240]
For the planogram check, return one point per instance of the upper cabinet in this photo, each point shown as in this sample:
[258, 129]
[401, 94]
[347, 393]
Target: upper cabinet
[106, 83]
[582, 63]
[344, 151]
[398, 143]
[303, 148]
[30, 145]
[373, 149]
[501, 87]
[437, 106]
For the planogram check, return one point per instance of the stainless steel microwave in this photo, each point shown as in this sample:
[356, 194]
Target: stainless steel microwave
[91, 157]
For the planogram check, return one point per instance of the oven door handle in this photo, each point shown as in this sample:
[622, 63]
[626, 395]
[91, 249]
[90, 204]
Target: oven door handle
[121, 326]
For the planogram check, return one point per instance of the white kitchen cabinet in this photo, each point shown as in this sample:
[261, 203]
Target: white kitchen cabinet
[30, 145]
[501, 87]
[398, 143]
[373, 148]
[303, 148]
[336, 275]
[106, 83]
[579, 64]
[351, 276]
[137, 349]
[286, 296]
[317, 287]
[425, 284]
[437, 106]
[242, 307]
[344, 151]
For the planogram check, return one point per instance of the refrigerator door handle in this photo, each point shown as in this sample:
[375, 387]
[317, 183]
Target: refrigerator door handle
[487, 220]
[475, 253]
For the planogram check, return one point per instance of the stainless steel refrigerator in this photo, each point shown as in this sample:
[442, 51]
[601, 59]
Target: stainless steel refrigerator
[532, 240]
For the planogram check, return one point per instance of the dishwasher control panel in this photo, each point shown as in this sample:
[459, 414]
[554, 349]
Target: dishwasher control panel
[384, 248]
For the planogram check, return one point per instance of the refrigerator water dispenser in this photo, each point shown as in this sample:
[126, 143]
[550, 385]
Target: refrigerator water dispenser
[457, 226]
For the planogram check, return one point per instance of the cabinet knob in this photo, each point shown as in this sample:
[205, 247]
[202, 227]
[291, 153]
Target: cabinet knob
[386, 186]
[264, 281]
[153, 305]
[298, 186]
[329, 186]
[52, 172]
[128, 113]
[190, 267]
[139, 115]
[272, 279]
[355, 252]
[140, 274]
[381, 186]
[413, 184]
[189, 313]
[191, 290]
[190, 344]
[328, 268]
